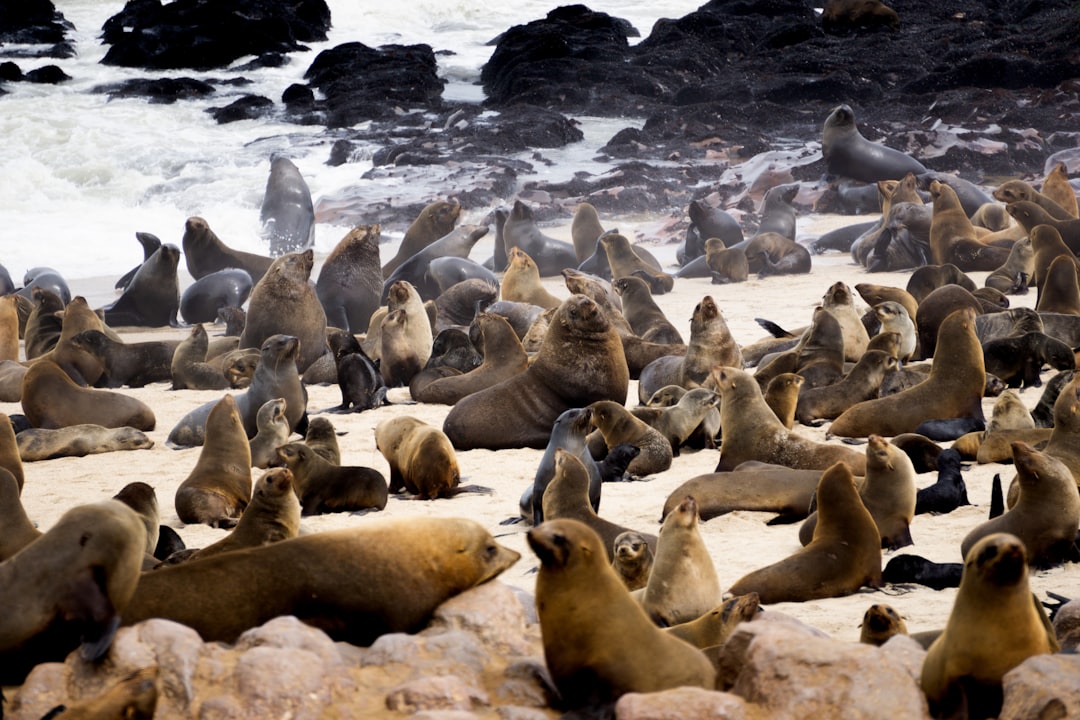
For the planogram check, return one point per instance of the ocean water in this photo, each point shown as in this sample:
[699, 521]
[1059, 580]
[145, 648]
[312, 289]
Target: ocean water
[82, 174]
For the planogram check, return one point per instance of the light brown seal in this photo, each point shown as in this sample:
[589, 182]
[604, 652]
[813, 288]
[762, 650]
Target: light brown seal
[646, 318]
[1060, 290]
[953, 389]
[771, 253]
[322, 438]
[273, 431]
[585, 230]
[1018, 271]
[894, 318]
[887, 491]
[750, 486]
[434, 221]
[325, 488]
[581, 361]
[283, 302]
[50, 399]
[619, 426]
[382, 576]
[751, 431]
[399, 361]
[402, 295]
[727, 265]
[218, 488]
[205, 253]
[953, 239]
[81, 366]
[43, 326]
[189, 369]
[9, 328]
[10, 456]
[995, 624]
[1031, 215]
[68, 588]
[839, 302]
[861, 383]
[1012, 191]
[879, 623]
[633, 559]
[79, 440]
[16, 530]
[521, 282]
[683, 584]
[714, 627]
[422, 460]
[625, 262]
[598, 642]
[782, 397]
[844, 555]
[1056, 186]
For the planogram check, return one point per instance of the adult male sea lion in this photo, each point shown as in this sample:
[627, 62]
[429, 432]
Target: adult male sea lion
[287, 215]
[51, 400]
[205, 253]
[218, 488]
[603, 645]
[848, 154]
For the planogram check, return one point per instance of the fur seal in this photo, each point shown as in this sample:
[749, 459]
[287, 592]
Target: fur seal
[712, 629]
[683, 584]
[880, 622]
[1031, 215]
[16, 530]
[585, 230]
[929, 278]
[67, 589]
[218, 488]
[861, 383]
[581, 361]
[1012, 191]
[10, 459]
[773, 254]
[840, 17]
[550, 255]
[50, 399]
[504, 357]
[205, 253]
[361, 383]
[954, 388]
[322, 438]
[1060, 290]
[435, 221]
[350, 281]
[401, 295]
[626, 261]
[633, 560]
[844, 555]
[777, 212]
[399, 361]
[284, 302]
[1016, 273]
[132, 364]
[78, 440]
[206, 297]
[287, 215]
[273, 431]
[188, 367]
[521, 282]
[618, 425]
[894, 318]
[887, 491]
[646, 318]
[460, 303]
[382, 576]
[141, 498]
[80, 366]
[153, 296]
[421, 458]
[1009, 413]
[693, 413]
[568, 433]
[995, 624]
[1019, 360]
[598, 642]
[150, 243]
[234, 319]
[848, 154]
[953, 239]
[949, 490]
[782, 397]
[134, 697]
[917, 569]
[1047, 245]
[1046, 517]
[752, 432]
[325, 488]
[9, 328]
[1056, 186]
[839, 302]
[713, 222]
[726, 265]
[416, 269]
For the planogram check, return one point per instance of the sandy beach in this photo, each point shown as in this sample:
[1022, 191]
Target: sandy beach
[739, 542]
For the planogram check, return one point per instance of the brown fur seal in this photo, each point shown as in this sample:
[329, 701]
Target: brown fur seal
[646, 318]
[879, 623]
[504, 357]
[840, 17]
[16, 530]
[188, 367]
[550, 255]
[1048, 246]
[9, 328]
[284, 302]
[383, 576]
[887, 491]
[585, 230]
[953, 239]
[80, 366]
[633, 559]
[929, 278]
[727, 265]
[1046, 516]
[840, 303]
[350, 282]
[995, 624]
[1060, 290]
[399, 362]
[581, 361]
[1031, 215]
[273, 432]
[239, 366]
[714, 627]
[51, 400]
[953, 389]
[153, 297]
[422, 460]
[10, 456]
[567, 496]
[848, 154]
[771, 253]
[1018, 360]
[894, 318]
[752, 432]
[69, 587]
[434, 221]
[79, 440]
[619, 426]
[322, 438]
[782, 397]
[683, 584]
[218, 489]
[598, 642]
[933, 310]
[1018, 271]
[861, 383]
[759, 487]
[205, 253]
[131, 364]
[626, 262]
[844, 555]
[403, 296]
[141, 498]
[134, 697]
[521, 283]
[1012, 191]
[694, 413]
[43, 326]
[325, 488]
[875, 294]
[1056, 186]
[1009, 413]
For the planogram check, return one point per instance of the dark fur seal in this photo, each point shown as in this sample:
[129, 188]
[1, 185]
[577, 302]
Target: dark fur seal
[948, 492]
[436, 220]
[153, 296]
[848, 154]
[287, 215]
[1019, 360]
[150, 243]
[131, 364]
[325, 488]
[204, 299]
[919, 570]
[568, 433]
[205, 253]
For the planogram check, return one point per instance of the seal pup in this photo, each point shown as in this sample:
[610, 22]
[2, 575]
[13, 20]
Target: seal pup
[1046, 517]
[422, 460]
[132, 364]
[887, 491]
[521, 282]
[287, 215]
[273, 431]
[1017, 272]
[283, 302]
[916, 569]
[382, 576]
[358, 376]
[683, 584]
[205, 253]
[218, 488]
[751, 431]
[153, 296]
[141, 498]
[435, 221]
[50, 399]
[995, 624]
[712, 629]
[322, 438]
[879, 623]
[646, 318]
[188, 367]
[10, 456]
[894, 318]
[350, 282]
[16, 530]
[601, 647]
[618, 425]
[782, 397]
[633, 560]
[568, 433]
[844, 555]
[567, 496]
[848, 154]
[68, 588]
[953, 389]
[949, 490]
[325, 488]
[79, 440]
[580, 361]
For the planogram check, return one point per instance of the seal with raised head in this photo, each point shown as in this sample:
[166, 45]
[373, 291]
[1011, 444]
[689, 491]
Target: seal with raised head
[416, 270]
[205, 253]
[633, 560]
[1012, 191]
[422, 460]
[322, 438]
[549, 254]
[10, 457]
[683, 584]
[598, 642]
[150, 243]
[188, 367]
[585, 230]
[618, 425]
[206, 297]
[325, 488]
[646, 318]
[50, 399]
[844, 555]
[1057, 187]
[879, 623]
[848, 154]
[273, 431]
[624, 261]
[568, 433]
[861, 383]
[714, 627]
[382, 576]
[581, 361]
[153, 296]
[521, 283]
[1059, 291]
[436, 220]
[1017, 272]
[1031, 215]
[81, 366]
[287, 215]
[995, 624]
[894, 318]
[1019, 360]
[218, 488]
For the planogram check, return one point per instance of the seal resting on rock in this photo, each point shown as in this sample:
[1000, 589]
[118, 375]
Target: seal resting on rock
[848, 154]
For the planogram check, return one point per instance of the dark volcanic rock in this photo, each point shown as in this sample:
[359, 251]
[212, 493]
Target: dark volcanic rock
[161, 90]
[34, 22]
[249, 107]
[205, 34]
[47, 75]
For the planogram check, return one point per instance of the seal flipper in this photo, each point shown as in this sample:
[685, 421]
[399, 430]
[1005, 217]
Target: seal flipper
[997, 501]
